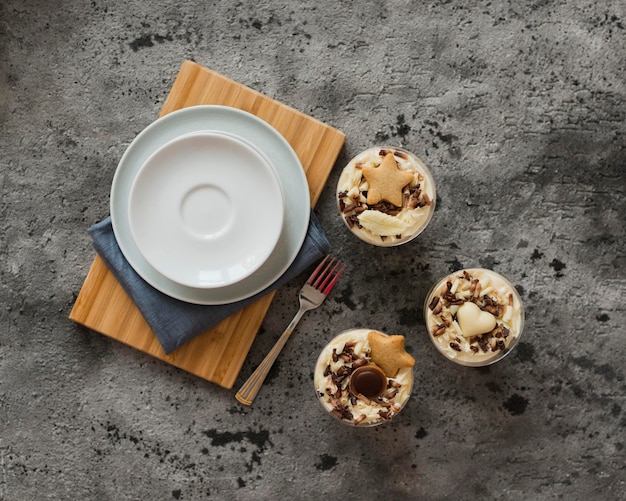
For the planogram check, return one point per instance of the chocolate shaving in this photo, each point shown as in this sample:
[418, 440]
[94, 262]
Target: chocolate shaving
[342, 370]
[483, 342]
[401, 154]
[349, 208]
[341, 410]
[439, 330]
[391, 394]
[416, 198]
[385, 414]
[450, 299]
[345, 357]
[364, 399]
[433, 304]
[360, 419]
[353, 221]
[359, 362]
[387, 208]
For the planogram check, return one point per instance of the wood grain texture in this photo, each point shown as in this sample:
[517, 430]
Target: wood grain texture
[218, 354]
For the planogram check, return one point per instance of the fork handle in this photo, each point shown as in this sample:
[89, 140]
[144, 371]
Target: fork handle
[251, 387]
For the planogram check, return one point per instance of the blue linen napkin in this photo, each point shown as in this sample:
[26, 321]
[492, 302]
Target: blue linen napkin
[175, 322]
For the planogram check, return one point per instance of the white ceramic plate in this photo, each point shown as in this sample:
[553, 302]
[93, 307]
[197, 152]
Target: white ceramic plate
[206, 209]
[261, 135]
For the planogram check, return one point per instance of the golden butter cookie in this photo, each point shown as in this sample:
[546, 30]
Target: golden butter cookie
[387, 181]
[388, 352]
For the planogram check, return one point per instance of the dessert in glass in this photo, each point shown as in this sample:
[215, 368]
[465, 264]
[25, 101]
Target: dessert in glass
[386, 196]
[364, 377]
[474, 316]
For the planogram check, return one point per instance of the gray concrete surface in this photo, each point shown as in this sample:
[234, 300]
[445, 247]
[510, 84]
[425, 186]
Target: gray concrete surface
[519, 109]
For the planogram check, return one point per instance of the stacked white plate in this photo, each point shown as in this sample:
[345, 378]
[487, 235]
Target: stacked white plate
[210, 204]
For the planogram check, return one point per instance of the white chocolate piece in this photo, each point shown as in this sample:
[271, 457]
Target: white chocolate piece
[382, 224]
[473, 321]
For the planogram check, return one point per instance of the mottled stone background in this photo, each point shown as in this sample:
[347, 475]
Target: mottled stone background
[519, 109]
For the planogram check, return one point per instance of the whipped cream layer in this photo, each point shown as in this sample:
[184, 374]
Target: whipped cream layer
[333, 370]
[496, 299]
[384, 224]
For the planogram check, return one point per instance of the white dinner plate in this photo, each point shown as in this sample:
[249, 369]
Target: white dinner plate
[265, 138]
[206, 209]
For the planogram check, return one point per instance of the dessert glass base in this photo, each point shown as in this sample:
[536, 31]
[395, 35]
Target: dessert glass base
[474, 317]
[386, 196]
[345, 370]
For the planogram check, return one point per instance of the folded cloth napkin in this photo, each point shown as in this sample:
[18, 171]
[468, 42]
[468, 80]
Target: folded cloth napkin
[175, 322]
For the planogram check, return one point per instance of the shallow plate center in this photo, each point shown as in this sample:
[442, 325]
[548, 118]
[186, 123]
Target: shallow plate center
[207, 211]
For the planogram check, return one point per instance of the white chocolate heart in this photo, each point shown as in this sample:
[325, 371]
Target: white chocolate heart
[473, 321]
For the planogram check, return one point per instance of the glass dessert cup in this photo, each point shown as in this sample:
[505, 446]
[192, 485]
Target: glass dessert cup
[357, 390]
[474, 317]
[386, 196]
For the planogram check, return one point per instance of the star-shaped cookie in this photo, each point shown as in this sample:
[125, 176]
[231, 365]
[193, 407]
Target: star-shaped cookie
[386, 181]
[388, 353]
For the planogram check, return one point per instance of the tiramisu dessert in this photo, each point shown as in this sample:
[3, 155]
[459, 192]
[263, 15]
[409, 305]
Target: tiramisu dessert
[474, 316]
[364, 377]
[386, 196]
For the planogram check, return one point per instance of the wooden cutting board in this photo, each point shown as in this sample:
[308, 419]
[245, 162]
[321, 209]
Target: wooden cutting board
[218, 354]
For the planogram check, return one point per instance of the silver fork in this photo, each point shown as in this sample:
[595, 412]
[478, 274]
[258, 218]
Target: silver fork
[312, 295]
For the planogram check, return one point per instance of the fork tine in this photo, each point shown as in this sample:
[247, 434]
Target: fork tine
[319, 281]
[325, 279]
[317, 278]
[332, 283]
[328, 275]
[316, 272]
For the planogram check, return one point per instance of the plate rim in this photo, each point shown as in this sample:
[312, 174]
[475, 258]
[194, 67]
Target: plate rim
[252, 128]
[204, 139]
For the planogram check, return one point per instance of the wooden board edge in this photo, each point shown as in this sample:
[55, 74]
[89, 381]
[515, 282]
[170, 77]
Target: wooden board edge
[189, 71]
